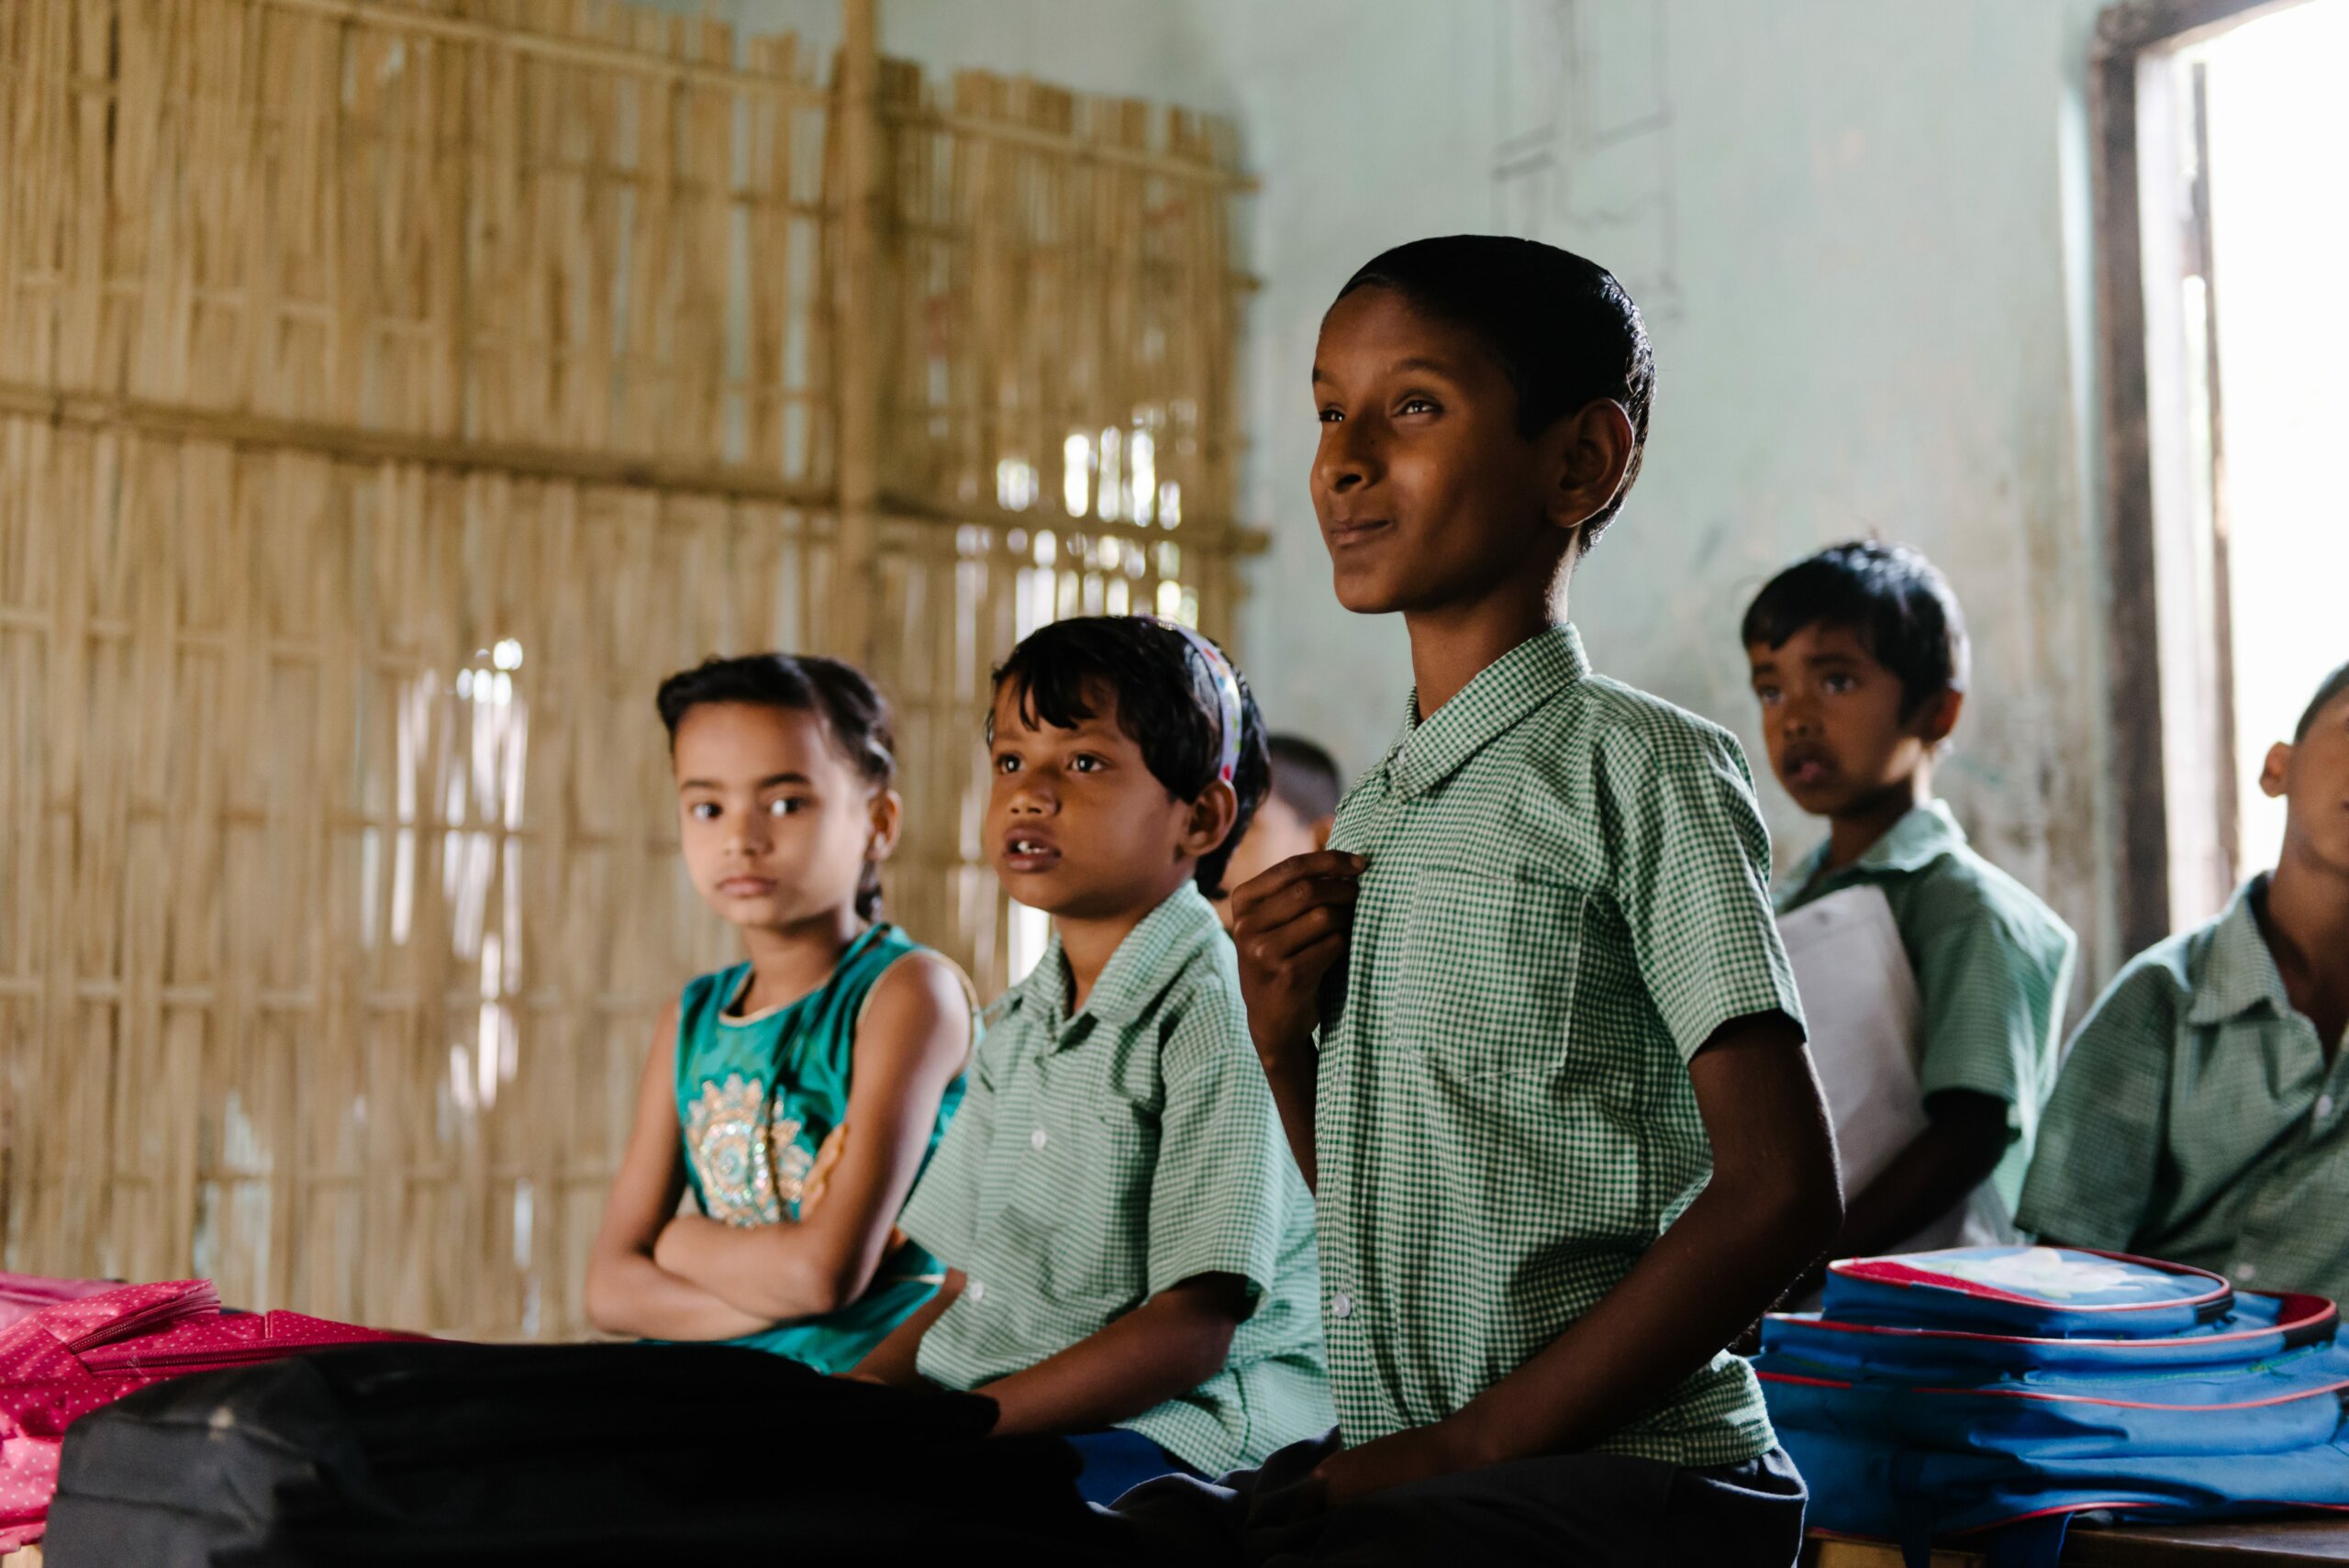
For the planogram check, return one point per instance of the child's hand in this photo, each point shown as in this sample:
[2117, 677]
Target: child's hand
[1291, 925]
[1415, 1453]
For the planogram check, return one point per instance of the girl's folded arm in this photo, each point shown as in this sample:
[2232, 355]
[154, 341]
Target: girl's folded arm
[628, 1293]
[911, 1042]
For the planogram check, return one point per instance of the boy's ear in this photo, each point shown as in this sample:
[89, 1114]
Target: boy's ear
[1937, 720]
[888, 818]
[1594, 449]
[1212, 816]
[2273, 781]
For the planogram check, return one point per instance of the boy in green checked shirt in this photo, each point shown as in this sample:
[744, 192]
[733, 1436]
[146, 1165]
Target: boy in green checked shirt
[1129, 1249]
[1858, 656]
[1564, 1136]
[2202, 1114]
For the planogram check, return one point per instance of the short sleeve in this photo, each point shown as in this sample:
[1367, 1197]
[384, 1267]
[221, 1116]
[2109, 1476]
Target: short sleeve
[1223, 1189]
[1692, 884]
[942, 1217]
[1990, 1001]
[2100, 1138]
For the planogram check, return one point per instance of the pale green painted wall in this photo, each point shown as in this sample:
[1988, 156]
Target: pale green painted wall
[1859, 228]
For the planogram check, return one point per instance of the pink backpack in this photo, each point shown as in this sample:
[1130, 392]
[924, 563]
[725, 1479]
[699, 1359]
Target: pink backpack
[93, 1343]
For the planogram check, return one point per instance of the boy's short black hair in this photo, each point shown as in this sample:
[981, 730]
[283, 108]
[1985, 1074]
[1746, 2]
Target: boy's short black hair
[1562, 329]
[2334, 685]
[1305, 776]
[1890, 595]
[854, 715]
[1164, 700]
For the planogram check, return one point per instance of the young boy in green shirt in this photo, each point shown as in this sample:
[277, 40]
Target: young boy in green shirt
[1858, 656]
[2202, 1114]
[1129, 1250]
[1566, 1140]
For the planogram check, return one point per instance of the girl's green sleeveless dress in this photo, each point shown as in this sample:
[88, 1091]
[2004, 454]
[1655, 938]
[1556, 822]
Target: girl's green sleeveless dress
[757, 1096]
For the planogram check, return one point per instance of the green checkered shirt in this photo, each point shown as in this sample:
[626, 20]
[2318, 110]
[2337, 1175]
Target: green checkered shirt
[2196, 1120]
[1567, 896]
[1099, 1159]
[1993, 966]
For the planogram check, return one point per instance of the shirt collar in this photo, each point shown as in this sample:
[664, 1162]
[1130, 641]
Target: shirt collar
[1426, 753]
[1149, 959]
[1925, 834]
[2239, 972]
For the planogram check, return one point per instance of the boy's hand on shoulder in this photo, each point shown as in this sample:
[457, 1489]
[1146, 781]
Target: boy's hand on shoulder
[1290, 925]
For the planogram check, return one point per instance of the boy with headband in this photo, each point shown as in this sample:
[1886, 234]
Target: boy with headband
[1129, 1244]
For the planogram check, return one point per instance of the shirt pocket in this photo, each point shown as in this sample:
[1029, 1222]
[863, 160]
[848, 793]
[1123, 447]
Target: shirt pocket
[1489, 971]
[1089, 1154]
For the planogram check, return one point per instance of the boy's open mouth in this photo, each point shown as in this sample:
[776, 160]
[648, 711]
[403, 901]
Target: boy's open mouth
[1807, 769]
[1029, 853]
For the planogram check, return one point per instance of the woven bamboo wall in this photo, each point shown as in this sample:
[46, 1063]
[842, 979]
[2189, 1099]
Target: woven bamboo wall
[389, 395]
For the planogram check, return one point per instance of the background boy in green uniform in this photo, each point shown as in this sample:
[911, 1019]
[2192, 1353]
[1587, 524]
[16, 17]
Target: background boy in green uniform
[1296, 817]
[1129, 1250]
[2202, 1114]
[1859, 662]
[1563, 1004]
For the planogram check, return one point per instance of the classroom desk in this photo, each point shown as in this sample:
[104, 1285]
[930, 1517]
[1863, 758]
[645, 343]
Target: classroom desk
[2269, 1543]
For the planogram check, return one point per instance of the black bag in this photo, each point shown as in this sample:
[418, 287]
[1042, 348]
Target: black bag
[573, 1453]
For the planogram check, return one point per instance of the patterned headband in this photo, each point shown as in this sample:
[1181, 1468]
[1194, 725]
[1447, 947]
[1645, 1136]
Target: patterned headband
[1227, 693]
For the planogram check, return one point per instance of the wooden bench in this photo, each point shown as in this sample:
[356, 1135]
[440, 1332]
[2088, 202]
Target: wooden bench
[2270, 1543]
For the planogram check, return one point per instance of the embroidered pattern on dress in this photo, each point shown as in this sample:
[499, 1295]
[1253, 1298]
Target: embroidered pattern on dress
[751, 1169]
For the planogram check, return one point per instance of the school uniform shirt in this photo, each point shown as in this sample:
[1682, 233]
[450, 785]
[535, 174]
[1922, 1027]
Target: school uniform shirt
[1993, 965]
[2196, 1120]
[1101, 1159]
[1567, 895]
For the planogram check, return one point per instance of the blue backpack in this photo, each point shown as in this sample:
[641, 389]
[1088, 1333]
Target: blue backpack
[2003, 1390]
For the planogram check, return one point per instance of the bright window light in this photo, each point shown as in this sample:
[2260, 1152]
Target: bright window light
[1077, 473]
[2280, 244]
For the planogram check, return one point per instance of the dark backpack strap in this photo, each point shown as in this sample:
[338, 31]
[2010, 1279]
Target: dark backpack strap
[2028, 1543]
[1913, 1507]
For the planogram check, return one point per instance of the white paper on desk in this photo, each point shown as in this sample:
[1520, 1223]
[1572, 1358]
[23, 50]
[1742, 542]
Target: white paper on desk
[1859, 997]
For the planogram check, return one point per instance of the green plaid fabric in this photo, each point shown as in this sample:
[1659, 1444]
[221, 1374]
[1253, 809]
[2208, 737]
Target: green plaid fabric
[1567, 896]
[1101, 1159]
[1993, 967]
[2196, 1120]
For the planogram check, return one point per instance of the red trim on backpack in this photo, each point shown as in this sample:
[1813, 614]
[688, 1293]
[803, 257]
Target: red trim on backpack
[2329, 1389]
[1900, 1272]
[1801, 1381]
[2316, 1307]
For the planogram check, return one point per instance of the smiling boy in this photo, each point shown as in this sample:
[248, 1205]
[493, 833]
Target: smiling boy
[1565, 1139]
[1129, 1249]
[1859, 658]
[2202, 1114]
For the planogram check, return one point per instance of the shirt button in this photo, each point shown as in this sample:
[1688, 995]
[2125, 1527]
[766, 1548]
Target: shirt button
[2246, 1272]
[2324, 1104]
[978, 1291]
[1037, 1140]
[1342, 1305]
